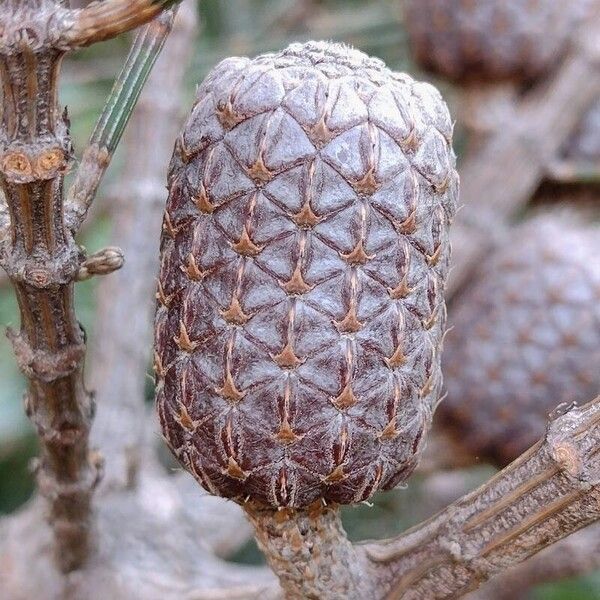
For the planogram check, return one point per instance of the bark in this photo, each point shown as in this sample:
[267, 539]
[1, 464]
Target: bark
[549, 492]
[43, 261]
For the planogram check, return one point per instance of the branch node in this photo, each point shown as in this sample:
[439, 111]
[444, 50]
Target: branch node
[41, 365]
[567, 457]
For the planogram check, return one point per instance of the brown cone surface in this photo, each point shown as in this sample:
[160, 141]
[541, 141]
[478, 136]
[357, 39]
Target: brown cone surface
[525, 338]
[304, 255]
[490, 40]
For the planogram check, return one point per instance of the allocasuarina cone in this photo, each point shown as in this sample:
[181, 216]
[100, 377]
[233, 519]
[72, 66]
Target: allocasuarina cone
[303, 261]
[525, 338]
[491, 40]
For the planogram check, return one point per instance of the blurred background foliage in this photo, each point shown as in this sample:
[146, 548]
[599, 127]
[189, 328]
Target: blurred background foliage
[229, 27]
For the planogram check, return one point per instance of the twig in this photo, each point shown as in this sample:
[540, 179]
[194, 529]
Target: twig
[103, 20]
[103, 262]
[111, 124]
[125, 301]
[503, 174]
[549, 492]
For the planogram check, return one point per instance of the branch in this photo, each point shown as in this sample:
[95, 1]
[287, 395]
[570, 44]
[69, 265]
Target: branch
[152, 545]
[100, 21]
[578, 554]
[115, 115]
[42, 261]
[502, 175]
[573, 171]
[549, 492]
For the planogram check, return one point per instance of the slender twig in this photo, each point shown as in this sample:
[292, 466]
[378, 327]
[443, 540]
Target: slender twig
[546, 494]
[103, 262]
[122, 354]
[103, 20]
[111, 124]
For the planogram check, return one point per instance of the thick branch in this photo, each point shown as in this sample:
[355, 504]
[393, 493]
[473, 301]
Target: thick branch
[103, 20]
[578, 554]
[152, 546]
[549, 492]
[502, 175]
[126, 300]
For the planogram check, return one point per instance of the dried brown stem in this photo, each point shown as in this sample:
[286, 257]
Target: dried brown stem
[42, 260]
[549, 492]
[103, 20]
[502, 175]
